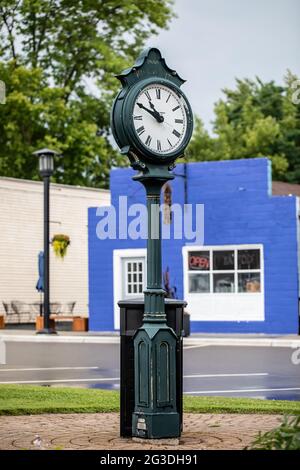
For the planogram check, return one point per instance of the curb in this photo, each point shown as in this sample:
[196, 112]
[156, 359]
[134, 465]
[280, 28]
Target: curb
[59, 339]
[250, 342]
[188, 342]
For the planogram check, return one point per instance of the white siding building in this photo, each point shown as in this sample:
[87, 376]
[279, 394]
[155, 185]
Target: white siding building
[21, 239]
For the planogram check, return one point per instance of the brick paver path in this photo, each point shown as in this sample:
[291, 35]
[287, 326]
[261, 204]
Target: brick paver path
[101, 431]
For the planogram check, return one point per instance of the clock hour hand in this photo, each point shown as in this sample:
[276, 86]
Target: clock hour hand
[153, 113]
[155, 110]
[152, 106]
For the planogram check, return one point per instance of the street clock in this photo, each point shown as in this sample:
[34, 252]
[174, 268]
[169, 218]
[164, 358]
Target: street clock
[152, 123]
[151, 120]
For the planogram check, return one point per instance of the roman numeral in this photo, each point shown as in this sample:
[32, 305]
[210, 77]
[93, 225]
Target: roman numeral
[140, 130]
[179, 121]
[148, 95]
[159, 145]
[169, 143]
[148, 140]
[168, 98]
[158, 93]
[176, 133]
[175, 109]
[139, 118]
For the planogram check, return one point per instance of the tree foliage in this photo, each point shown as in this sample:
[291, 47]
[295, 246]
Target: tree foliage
[255, 119]
[58, 59]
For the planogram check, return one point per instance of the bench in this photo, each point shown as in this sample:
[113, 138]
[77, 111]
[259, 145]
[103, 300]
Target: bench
[18, 312]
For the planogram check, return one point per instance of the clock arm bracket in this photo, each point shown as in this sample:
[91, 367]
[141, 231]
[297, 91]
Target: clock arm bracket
[136, 163]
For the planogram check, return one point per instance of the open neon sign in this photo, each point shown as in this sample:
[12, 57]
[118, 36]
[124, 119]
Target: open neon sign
[200, 262]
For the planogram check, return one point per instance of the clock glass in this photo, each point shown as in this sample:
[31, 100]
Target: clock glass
[160, 118]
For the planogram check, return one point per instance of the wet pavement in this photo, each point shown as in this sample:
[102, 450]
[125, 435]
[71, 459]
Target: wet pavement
[259, 372]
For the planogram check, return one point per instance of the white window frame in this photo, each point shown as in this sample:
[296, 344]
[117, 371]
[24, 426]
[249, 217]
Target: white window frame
[224, 306]
[236, 271]
[118, 257]
[134, 294]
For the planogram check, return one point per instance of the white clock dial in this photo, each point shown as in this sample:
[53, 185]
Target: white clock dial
[160, 118]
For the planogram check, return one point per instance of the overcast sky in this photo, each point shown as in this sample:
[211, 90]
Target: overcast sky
[213, 41]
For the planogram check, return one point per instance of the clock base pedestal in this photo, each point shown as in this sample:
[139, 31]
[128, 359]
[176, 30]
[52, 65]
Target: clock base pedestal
[155, 415]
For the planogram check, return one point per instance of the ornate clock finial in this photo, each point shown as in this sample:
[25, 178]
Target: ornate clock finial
[149, 63]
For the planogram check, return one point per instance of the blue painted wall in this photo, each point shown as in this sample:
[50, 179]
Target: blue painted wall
[238, 210]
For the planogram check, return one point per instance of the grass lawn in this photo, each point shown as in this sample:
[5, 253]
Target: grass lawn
[26, 399]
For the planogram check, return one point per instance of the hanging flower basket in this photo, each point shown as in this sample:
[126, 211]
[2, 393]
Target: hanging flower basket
[60, 245]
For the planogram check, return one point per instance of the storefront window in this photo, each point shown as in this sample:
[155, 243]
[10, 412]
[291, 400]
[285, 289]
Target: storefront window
[249, 282]
[223, 282]
[248, 259]
[223, 260]
[223, 271]
[199, 261]
[199, 283]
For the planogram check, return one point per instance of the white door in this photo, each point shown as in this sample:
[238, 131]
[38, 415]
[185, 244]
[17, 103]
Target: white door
[129, 277]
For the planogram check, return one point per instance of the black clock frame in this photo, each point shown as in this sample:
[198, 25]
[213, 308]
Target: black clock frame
[149, 69]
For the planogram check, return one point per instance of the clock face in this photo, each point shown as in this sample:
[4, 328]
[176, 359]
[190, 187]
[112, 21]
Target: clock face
[160, 118]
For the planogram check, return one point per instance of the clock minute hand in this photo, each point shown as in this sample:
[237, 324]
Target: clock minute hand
[154, 113]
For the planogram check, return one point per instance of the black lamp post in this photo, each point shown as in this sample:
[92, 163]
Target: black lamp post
[46, 168]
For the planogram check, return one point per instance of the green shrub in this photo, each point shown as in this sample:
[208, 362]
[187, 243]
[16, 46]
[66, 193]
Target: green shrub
[285, 437]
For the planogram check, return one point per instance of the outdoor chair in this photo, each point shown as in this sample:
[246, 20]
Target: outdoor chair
[10, 315]
[67, 309]
[55, 308]
[24, 311]
[70, 308]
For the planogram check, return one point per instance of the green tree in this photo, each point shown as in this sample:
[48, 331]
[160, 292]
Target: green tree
[255, 119]
[58, 59]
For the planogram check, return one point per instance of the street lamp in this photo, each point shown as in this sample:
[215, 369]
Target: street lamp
[46, 168]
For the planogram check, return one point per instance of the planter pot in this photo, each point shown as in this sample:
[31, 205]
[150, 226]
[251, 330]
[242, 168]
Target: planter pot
[39, 323]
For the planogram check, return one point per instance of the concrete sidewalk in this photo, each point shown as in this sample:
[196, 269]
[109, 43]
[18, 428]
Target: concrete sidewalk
[101, 431]
[250, 340]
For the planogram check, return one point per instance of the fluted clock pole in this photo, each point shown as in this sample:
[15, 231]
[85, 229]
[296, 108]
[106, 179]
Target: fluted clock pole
[155, 414]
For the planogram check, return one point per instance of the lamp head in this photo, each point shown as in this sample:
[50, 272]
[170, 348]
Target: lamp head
[46, 161]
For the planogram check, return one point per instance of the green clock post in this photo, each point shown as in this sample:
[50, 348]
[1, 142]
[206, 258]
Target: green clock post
[152, 123]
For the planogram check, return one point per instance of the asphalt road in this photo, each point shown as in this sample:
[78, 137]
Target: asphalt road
[260, 372]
